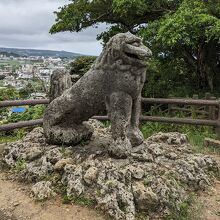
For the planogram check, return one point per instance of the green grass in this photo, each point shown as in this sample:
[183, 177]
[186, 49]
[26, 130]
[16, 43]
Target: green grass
[188, 210]
[80, 200]
[12, 136]
[196, 134]
[20, 165]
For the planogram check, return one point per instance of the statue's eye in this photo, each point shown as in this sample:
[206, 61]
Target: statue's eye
[136, 44]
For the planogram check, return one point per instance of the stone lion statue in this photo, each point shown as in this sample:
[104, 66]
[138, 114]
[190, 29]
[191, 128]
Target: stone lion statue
[114, 82]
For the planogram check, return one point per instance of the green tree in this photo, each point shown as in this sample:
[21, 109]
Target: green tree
[81, 65]
[191, 33]
[126, 14]
[32, 113]
[184, 35]
[9, 93]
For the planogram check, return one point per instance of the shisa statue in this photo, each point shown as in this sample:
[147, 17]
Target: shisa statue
[114, 83]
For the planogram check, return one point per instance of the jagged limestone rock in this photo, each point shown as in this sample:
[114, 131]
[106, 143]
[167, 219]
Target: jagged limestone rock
[62, 163]
[114, 83]
[158, 176]
[90, 175]
[42, 190]
[144, 197]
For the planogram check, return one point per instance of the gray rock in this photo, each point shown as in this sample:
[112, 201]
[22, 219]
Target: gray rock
[171, 138]
[145, 198]
[74, 178]
[90, 175]
[137, 172]
[62, 163]
[36, 171]
[35, 136]
[2, 148]
[42, 190]
[54, 155]
[114, 83]
[34, 153]
[156, 177]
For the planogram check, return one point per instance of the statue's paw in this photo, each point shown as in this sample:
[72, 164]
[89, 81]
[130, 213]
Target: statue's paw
[120, 148]
[135, 136]
[70, 135]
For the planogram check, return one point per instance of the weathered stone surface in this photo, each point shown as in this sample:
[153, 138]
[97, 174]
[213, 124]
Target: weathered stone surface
[120, 148]
[36, 136]
[90, 175]
[37, 170]
[114, 83]
[2, 148]
[53, 155]
[145, 198]
[74, 179]
[42, 190]
[34, 153]
[59, 82]
[157, 176]
[62, 163]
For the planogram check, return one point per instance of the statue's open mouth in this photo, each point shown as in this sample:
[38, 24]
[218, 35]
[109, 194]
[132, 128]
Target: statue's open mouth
[137, 52]
[134, 56]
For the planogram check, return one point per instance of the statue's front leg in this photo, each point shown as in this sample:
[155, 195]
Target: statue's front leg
[119, 111]
[134, 134]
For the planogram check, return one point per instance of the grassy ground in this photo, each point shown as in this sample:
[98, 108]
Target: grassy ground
[9, 62]
[196, 134]
[12, 136]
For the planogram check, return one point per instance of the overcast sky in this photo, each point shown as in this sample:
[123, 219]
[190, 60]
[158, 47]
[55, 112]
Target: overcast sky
[26, 23]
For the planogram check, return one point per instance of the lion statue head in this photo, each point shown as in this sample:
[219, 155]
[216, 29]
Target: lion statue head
[123, 49]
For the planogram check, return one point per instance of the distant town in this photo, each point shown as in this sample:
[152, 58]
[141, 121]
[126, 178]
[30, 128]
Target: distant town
[21, 71]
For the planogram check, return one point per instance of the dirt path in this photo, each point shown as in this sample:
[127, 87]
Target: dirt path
[211, 203]
[211, 200]
[16, 204]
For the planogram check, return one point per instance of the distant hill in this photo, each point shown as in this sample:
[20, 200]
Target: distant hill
[45, 53]
[8, 54]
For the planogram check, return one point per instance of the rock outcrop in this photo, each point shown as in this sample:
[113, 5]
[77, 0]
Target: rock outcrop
[158, 176]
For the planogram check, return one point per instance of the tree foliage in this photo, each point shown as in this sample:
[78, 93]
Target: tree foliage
[81, 65]
[9, 93]
[32, 113]
[184, 35]
[191, 33]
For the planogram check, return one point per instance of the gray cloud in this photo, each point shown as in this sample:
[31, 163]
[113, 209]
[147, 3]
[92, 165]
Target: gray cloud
[25, 24]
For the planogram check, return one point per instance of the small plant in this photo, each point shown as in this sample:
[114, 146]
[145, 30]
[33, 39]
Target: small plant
[106, 123]
[187, 210]
[12, 136]
[146, 182]
[80, 200]
[67, 199]
[20, 165]
[143, 216]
